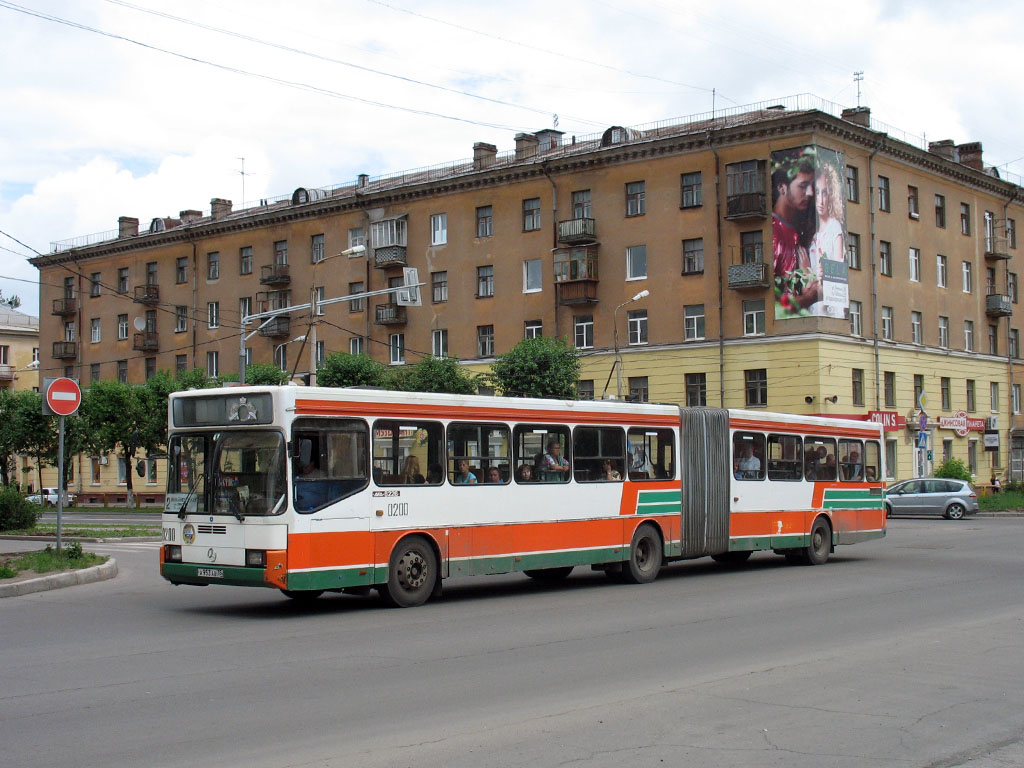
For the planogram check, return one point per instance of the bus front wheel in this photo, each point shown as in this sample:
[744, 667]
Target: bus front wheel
[644, 556]
[412, 573]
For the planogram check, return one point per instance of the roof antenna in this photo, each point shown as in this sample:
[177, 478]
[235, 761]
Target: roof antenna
[857, 78]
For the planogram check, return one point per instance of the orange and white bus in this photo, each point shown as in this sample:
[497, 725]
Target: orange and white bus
[310, 489]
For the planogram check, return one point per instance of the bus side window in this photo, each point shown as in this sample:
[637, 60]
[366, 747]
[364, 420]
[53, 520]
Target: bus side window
[820, 458]
[785, 457]
[546, 449]
[597, 454]
[485, 450]
[872, 461]
[408, 452]
[851, 461]
[329, 461]
[650, 454]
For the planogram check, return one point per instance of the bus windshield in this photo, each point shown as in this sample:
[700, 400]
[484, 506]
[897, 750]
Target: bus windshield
[237, 473]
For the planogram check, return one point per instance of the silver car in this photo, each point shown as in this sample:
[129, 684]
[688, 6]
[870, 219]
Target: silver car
[931, 496]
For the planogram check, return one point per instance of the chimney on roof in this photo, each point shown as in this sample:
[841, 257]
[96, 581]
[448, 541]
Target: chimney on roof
[190, 216]
[127, 226]
[970, 155]
[944, 149]
[858, 116]
[362, 180]
[549, 139]
[220, 207]
[483, 155]
[526, 146]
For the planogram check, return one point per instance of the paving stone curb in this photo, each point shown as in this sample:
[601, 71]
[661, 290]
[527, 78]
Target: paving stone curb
[107, 570]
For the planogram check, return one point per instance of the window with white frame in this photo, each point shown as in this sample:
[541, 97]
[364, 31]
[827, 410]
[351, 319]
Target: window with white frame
[439, 229]
[693, 322]
[993, 394]
[95, 284]
[753, 317]
[853, 250]
[581, 204]
[969, 335]
[941, 270]
[532, 276]
[439, 342]
[883, 193]
[321, 352]
[355, 345]
[1015, 395]
[69, 331]
[485, 340]
[913, 205]
[637, 323]
[180, 318]
[122, 326]
[943, 332]
[356, 237]
[856, 316]
[396, 346]
[356, 305]
[484, 281]
[756, 381]
[583, 331]
[965, 219]
[533, 329]
[320, 292]
[316, 248]
[967, 277]
[915, 327]
[887, 323]
[281, 356]
[281, 252]
[389, 232]
[915, 265]
[940, 211]
[212, 364]
[885, 257]
[213, 314]
[636, 262]
[244, 306]
[213, 265]
[94, 330]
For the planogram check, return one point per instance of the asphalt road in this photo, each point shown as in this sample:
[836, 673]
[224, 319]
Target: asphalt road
[903, 652]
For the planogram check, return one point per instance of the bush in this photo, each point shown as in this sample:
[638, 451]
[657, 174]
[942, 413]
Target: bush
[953, 469]
[15, 512]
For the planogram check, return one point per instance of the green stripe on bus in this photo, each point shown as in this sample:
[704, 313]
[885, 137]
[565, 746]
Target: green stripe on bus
[658, 509]
[829, 495]
[648, 497]
[237, 576]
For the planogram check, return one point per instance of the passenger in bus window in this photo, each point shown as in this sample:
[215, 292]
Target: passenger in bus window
[494, 475]
[827, 471]
[553, 465]
[852, 468]
[411, 470]
[608, 470]
[524, 474]
[749, 464]
[462, 475]
[434, 474]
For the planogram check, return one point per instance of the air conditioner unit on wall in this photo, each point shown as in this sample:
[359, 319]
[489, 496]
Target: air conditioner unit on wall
[992, 423]
[103, 460]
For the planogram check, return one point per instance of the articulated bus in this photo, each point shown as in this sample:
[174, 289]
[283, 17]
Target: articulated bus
[307, 489]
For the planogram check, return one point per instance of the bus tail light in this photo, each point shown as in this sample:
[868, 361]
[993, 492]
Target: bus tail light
[256, 558]
[172, 553]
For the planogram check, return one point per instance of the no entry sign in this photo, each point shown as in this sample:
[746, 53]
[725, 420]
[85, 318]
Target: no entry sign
[61, 397]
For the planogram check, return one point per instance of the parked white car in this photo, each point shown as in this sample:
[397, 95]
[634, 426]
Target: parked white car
[48, 498]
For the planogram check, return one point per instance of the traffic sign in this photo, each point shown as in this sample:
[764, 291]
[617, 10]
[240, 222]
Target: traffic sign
[922, 440]
[61, 397]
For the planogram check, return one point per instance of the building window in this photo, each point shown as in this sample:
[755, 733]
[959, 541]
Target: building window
[150, 368]
[69, 331]
[484, 281]
[971, 401]
[213, 266]
[691, 183]
[585, 389]
[853, 250]
[943, 332]
[439, 229]
[1011, 286]
[918, 389]
[583, 331]
[1015, 396]
[122, 326]
[356, 237]
[915, 327]
[940, 211]
[993, 394]
[533, 329]
[693, 256]
[316, 249]
[756, 387]
[990, 281]
[915, 265]
[122, 279]
[638, 389]
[355, 345]
[94, 284]
[636, 262]
[484, 221]
[885, 257]
[1014, 341]
[248, 355]
[213, 314]
[993, 340]
[913, 205]
[637, 322]
[967, 277]
[969, 335]
[356, 305]
[213, 364]
[244, 306]
[320, 352]
[531, 276]
[122, 371]
[319, 294]
[944, 391]
[696, 389]
[972, 456]
[883, 193]
[281, 252]
[94, 372]
[485, 340]
[281, 356]
[753, 317]
[852, 184]
[856, 328]
[181, 318]
[531, 214]
[439, 287]
[245, 260]
[887, 323]
[857, 382]
[581, 204]
[890, 459]
[151, 273]
[439, 342]
[941, 270]
[965, 219]
[636, 198]
[752, 247]
[396, 346]
[94, 333]
[889, 387]
[693, 322]
[1011, 233]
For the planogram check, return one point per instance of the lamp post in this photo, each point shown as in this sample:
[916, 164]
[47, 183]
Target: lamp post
[283, 344]
[615, 335]
[314, 308]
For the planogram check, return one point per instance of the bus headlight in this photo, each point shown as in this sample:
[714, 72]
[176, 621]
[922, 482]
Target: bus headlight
[256, 558]
[172, 553]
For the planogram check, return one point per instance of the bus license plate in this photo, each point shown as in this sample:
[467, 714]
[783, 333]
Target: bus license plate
[211, 573]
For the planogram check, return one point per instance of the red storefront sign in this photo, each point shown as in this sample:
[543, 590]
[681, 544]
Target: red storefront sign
[890, 420]
[960, 423]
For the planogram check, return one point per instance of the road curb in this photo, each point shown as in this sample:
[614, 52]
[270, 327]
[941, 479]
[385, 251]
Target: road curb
[86, 539]
[107, 570]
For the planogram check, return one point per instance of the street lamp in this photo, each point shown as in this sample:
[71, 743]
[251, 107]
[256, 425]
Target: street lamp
[281, 346]
[615, 335]
[314, 308]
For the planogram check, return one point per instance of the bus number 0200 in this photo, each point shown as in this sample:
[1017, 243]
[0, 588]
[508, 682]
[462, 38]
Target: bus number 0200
[400, 509]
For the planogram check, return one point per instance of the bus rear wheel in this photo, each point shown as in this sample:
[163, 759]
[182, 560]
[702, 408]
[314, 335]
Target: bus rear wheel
[412, 573]
[644, 556]
[549, 575]
[820, 545]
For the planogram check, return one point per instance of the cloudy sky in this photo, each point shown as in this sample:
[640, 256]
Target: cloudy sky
[144, 108]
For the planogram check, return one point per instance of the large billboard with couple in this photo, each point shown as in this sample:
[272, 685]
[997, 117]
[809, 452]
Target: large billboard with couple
[809, 233]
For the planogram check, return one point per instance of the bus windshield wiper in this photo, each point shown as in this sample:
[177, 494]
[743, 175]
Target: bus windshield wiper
[182, 512]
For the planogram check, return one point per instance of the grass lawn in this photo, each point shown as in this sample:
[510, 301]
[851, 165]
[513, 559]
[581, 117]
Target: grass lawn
[47, 561]
[995, 502]
[92, 531]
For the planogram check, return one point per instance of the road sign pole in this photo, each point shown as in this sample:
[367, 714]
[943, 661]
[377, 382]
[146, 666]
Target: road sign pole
[60, 480]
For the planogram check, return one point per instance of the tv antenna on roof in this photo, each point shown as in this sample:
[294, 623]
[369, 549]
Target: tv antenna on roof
[243, 174]
[857, 78]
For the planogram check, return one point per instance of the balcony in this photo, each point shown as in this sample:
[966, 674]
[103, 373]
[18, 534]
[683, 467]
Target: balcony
[277, 327]
[275, 274]
[743, 276]
[390, 314]
[65, 350]
[268, 301]
[996, 249]
[385, 256]
[579, 292]
[576, 275]
[577, 231]
[146, 341]
[997, 305]
[7, 373]
[147, 294]
[750, 205]
[65, 306]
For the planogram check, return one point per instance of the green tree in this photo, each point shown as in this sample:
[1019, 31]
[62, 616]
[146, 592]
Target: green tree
[265, 374]
[193, 379]
[954, 469]
[344, 370]
[436, 374]
[538, 367]
[37, 434]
